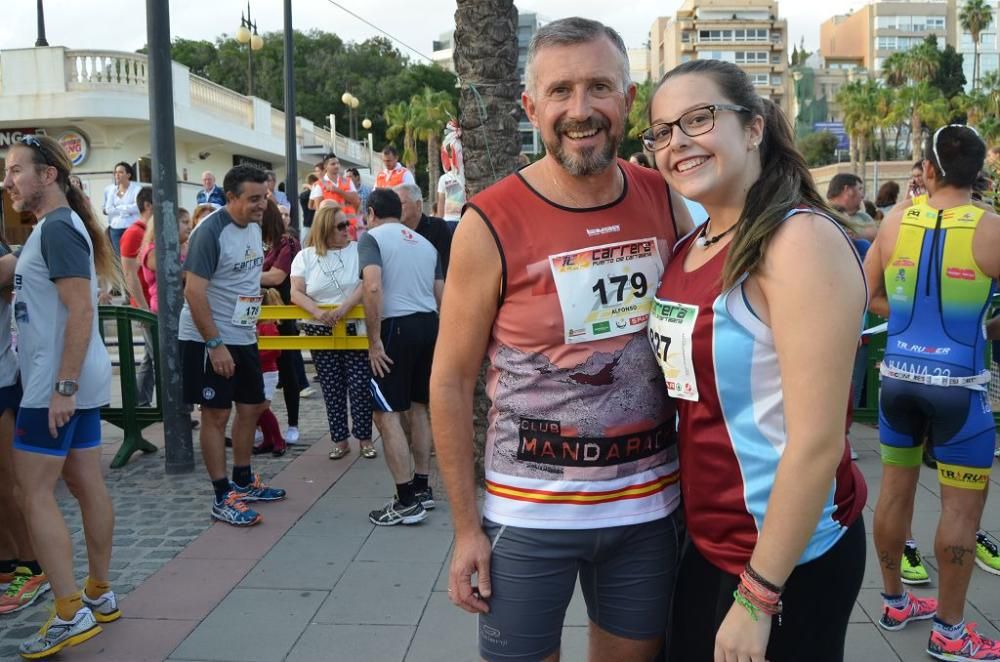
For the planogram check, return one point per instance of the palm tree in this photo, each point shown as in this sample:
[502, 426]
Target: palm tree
[858, 102]
[927, 107]
[431, 111]
[886, 117]
[991, 89]
[922, 61]
[399, 120]
[894, 69]
[975, 17]
[486, 64]
[975, 105]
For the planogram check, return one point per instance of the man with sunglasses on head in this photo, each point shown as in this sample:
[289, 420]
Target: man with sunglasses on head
[552, 278]
[932, 271]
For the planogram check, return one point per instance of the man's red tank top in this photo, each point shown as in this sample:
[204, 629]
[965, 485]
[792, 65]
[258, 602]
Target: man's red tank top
[581, 432]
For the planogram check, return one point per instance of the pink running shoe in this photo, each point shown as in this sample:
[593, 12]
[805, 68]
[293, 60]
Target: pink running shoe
[970, 647]
[916, 609]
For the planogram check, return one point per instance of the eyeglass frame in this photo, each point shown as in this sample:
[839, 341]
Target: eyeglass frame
[713, 107]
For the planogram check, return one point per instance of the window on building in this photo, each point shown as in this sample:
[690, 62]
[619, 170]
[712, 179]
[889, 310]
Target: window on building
[751, 57]
[776, 80]
[935, 22]
[686, 37]
[885, 22]
[886, 44]
[760, 79]
[684, 58]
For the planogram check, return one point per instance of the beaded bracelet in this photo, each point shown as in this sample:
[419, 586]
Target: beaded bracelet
[763, 582]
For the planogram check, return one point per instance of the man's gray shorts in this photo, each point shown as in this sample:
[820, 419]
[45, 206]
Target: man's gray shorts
[627, 574]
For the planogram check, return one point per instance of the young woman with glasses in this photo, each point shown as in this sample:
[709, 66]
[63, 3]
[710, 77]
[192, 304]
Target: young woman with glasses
[327, 272]
[755, 325]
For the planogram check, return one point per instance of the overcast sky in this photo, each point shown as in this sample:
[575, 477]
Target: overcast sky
[121, 24]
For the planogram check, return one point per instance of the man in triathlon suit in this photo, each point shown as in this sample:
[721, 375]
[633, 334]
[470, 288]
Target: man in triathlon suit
[933, 269]
[218, 334]
[581, 459]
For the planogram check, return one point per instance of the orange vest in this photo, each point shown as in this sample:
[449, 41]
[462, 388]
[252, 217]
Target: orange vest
[390, 178]
[334, 193]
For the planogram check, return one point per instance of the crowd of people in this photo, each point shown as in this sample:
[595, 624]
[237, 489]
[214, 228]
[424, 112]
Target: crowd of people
[662, 426]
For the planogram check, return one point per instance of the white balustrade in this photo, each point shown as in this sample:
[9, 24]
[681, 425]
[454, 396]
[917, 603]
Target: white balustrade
[87, 70]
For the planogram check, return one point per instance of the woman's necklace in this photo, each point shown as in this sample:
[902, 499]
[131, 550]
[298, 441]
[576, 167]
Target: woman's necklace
[704, 242]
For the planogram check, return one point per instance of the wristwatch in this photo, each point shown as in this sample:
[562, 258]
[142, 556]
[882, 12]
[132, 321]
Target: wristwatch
[67, 387]
[214, 342]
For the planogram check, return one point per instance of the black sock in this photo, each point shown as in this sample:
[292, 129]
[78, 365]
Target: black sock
[221, 487]
[419, 482]
[8, 565]
[242, 476]
[404, 492]
[32, 566]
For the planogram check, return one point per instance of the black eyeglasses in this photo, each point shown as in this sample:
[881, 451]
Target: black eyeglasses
[343, 226]
[694, 122]
[31, 141]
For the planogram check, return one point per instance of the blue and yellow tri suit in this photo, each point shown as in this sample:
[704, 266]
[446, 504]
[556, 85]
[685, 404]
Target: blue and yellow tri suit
[934, 372]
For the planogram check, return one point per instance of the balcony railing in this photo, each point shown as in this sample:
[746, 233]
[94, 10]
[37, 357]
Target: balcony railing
[107, 71]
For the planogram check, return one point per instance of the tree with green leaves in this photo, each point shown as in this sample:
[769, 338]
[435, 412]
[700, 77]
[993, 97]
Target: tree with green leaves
[894, 69]
[430, 112]
[399, 120]
[927, 107]
[857, 100]
[950, 75]
[974, 17]
[818, 148]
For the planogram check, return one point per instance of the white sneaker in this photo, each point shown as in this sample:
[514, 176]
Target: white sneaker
[854, 454]
[292, 435]
[58, 634]
[307, 392]
[258, 437]
[104, 608]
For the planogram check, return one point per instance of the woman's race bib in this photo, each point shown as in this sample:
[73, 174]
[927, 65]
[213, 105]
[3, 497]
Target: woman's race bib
[671, 331]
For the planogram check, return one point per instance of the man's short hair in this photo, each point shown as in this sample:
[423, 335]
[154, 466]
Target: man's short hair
[353, 172]
[128, 169]
[412, 190]
[237, 175]
[390, 149]
[839, 183]
[144, 197]
[385, 203]
[326, 159]
[270, 175]
[312, 178]
[569, 32]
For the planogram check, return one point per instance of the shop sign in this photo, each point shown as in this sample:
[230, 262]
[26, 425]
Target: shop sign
[75, 145]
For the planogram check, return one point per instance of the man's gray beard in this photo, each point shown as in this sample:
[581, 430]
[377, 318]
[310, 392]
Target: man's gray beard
[590, 163]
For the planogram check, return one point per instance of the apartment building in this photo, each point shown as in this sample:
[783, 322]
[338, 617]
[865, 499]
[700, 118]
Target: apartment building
[865, 38]
[747, 33]
[989, 46]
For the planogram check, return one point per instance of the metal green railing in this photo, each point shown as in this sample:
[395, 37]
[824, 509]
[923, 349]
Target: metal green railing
[130, 417]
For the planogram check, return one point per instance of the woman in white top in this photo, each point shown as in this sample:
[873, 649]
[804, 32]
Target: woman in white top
[119, 203]
[326, 271]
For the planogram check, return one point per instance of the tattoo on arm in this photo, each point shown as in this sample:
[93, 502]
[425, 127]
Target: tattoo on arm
[888, 562]
[959, 554]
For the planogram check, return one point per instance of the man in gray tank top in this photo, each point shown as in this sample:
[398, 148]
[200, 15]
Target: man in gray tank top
[402, 291]
[218, 334]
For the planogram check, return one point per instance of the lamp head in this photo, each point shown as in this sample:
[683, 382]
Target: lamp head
[256, 42]
[366, 123]
[243, 33]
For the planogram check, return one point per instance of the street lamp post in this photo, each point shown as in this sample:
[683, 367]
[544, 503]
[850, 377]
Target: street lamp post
[41, 41]
[366, 124]
[352, 104]
[254, 42]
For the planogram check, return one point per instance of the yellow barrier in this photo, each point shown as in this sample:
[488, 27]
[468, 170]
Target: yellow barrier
[348, 334]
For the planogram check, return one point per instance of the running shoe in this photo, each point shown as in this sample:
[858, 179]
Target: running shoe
[911, 568]
[104, 608]
[916, 609]
[987, 555]
[233, 510]
[291, 435]
[58, 634]
[258, 491]
[970, 647]
[307, 392]
[394, 513]
[23, 590]
[5, 579]
[426, 498]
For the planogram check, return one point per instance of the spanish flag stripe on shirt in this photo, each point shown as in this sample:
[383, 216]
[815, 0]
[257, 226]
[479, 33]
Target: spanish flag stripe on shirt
[583, 498]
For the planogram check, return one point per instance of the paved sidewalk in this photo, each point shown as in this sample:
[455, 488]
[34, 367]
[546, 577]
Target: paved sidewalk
[316, 582]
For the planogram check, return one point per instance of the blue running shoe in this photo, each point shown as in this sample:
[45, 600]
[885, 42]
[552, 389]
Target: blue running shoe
[233, 510]
[258, 491]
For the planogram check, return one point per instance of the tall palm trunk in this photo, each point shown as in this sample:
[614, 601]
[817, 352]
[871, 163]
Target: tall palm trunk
[486, 64]
[975, 62]
[916, 135]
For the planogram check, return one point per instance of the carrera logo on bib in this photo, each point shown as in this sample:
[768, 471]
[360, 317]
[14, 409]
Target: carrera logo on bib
[541, 441]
